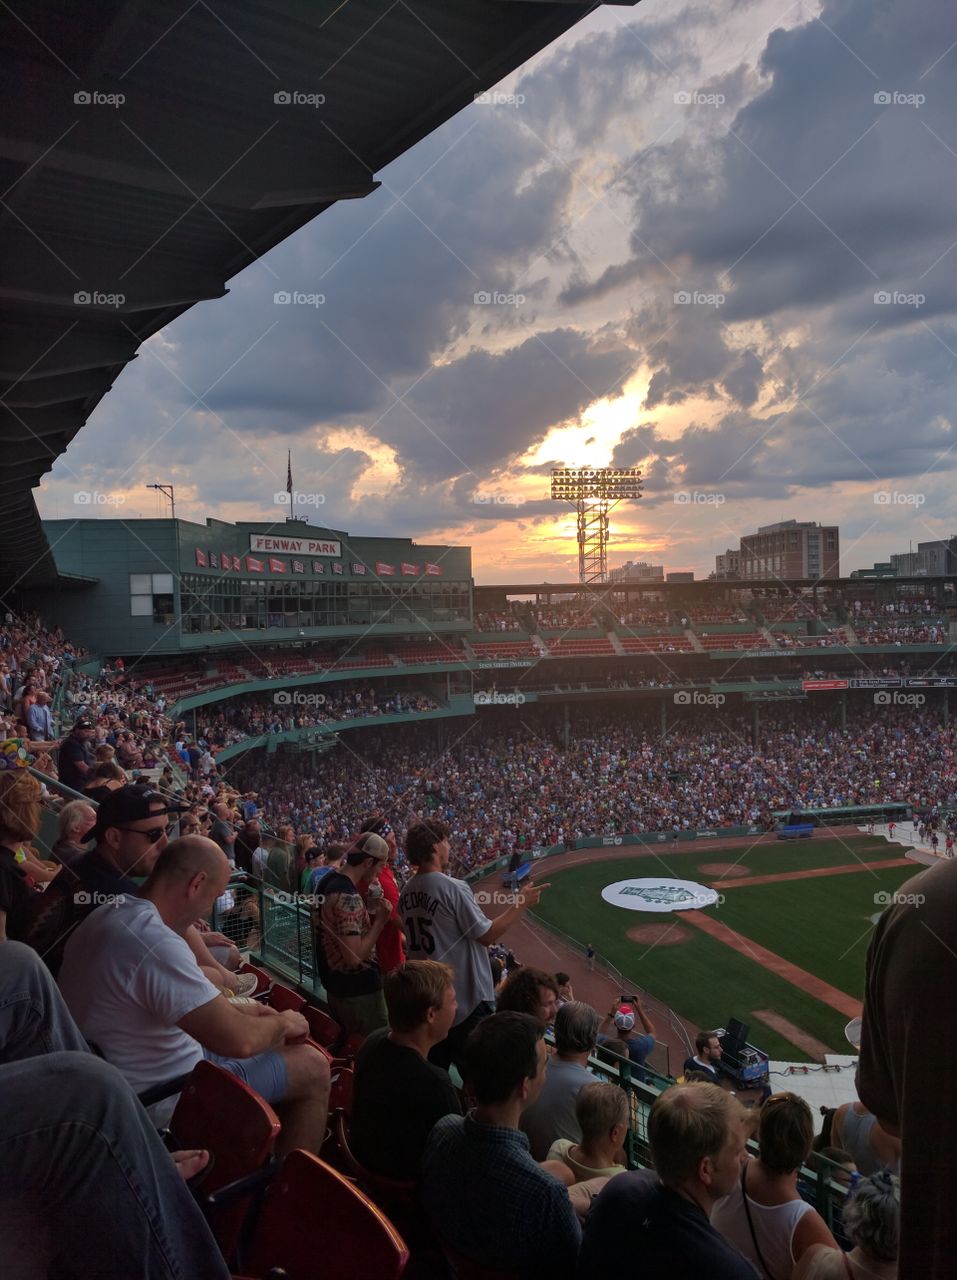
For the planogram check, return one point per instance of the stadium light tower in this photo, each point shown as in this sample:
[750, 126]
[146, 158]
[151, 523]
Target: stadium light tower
[593, 493]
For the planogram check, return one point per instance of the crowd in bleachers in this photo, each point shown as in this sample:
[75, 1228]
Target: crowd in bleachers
[905, 607]
[642, 616]
[878, 632]
[497, 620]
[530, 1140]
[518, 788]
[255, 714]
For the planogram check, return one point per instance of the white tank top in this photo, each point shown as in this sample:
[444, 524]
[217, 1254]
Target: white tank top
[773, 1226]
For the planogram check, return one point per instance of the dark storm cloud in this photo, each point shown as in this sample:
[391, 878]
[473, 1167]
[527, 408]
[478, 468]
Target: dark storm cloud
[819, 206]
[478, 411]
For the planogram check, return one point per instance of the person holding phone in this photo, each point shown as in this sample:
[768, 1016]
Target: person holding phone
[617, 1032]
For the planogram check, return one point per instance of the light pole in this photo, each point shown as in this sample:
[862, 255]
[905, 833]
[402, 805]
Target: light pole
[170, 492]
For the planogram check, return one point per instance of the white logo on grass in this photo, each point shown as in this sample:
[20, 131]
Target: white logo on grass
[660, 895]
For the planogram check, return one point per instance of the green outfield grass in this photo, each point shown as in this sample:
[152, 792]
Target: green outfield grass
[821, 925]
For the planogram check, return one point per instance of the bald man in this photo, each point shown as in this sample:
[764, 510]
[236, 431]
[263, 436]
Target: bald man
[135, 989]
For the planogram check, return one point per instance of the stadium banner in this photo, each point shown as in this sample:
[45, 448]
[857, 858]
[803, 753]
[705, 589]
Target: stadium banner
[226, 560]
[277, 566]
[809, 686]
[213, 560]
[433, 570]
[512, 662]
[384, 570]
[875, 682]
[295, 546]
[359, 569]
[298, 566]
[201, 559]
[410, 570]
[931, 682]
[254, 566]
[318, 566]
[238, 563]
[337, 567]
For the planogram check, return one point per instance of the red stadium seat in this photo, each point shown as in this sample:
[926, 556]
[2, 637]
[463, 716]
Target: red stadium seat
[283, 998]
[220, 1114]
[390, 1194]
[316, 1225]
[323, 1028]
[343, 1087]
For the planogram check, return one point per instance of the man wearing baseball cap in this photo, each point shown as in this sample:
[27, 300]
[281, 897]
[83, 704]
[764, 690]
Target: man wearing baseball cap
[75, 762]
[130, 833]
[615, 1032]
[347, 934]
[389, 950]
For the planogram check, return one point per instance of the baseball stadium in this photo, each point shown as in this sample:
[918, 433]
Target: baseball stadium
[681, 807]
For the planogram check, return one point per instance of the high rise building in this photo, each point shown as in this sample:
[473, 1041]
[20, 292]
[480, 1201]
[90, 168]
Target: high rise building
[791, 549]
[640, 572]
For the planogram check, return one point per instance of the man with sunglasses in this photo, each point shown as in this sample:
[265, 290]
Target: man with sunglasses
[130, 833]
[347, 934]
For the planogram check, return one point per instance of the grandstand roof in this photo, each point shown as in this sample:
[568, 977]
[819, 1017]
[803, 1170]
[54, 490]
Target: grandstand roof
[119, 215]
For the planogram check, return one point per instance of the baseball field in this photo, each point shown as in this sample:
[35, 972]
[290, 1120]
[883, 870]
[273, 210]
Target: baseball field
[782, 949]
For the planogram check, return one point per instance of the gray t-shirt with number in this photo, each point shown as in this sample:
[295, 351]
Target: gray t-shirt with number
[442, 922]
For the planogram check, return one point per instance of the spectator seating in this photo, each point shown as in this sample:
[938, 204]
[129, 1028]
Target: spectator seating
[284, 998]
[323, 1028]
[353, 657]
[734, 640]
[316, 1224]
[503, 650]
[220, 1114]
[599, 647]
[438, 651]
[656, 644]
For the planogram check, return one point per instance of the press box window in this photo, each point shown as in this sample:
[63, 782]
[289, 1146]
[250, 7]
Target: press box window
[151, 595]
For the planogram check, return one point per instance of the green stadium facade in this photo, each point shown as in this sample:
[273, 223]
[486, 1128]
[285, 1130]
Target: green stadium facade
[172, 587]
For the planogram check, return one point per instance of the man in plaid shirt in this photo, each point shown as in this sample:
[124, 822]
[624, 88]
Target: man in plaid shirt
[490, 1202]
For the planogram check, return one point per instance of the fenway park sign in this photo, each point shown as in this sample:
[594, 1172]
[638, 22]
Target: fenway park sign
[295, 546]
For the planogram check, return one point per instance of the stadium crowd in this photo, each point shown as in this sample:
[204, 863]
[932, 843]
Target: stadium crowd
[544, 1137]
[257, 714]
[533, 1142]
[514, 789]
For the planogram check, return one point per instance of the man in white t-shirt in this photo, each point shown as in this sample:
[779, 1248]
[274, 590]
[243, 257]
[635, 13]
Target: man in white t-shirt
[443, 922]
[135, 989]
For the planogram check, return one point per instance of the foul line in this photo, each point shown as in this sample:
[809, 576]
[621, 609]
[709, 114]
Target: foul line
[811, 873]
[791, 973]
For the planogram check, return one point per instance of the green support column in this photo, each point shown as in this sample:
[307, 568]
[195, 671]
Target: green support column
[843, 709]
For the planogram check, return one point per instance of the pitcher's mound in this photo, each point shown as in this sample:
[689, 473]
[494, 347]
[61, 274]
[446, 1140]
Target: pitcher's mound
[727, 870]
[665, 935]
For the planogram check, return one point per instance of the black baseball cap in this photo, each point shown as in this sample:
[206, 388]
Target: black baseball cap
[130, 804]
[82, 724]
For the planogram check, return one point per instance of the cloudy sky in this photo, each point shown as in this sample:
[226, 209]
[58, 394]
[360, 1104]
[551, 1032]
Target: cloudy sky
[717, 241]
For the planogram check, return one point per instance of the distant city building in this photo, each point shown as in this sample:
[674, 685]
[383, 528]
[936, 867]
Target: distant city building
[637, 572]
[728, 565]
[930, 560]
[791, 549]
[680, 577]
[881, 569]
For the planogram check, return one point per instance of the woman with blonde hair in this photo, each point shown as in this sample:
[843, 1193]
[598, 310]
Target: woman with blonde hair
[872, 1220]
[765, 1217]
[19, 824]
